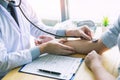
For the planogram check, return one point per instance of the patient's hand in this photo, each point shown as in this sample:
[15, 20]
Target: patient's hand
[93, 60]
[86, 46]
[80, 46]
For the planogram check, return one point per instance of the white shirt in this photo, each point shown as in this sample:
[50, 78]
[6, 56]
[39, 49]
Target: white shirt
[15, 40]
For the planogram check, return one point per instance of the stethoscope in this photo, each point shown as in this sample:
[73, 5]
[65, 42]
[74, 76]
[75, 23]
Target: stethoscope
[18, 5]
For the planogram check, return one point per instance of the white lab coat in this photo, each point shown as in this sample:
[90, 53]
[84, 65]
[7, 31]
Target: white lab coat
[14, 39]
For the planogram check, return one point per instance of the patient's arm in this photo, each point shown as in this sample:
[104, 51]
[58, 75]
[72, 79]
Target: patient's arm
[85, 46]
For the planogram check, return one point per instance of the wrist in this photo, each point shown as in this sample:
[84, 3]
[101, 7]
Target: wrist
[71, 31]
[96, 66]
[100, 47]
[35, 52]
[42, 48]
[61, 33]
[68, 32]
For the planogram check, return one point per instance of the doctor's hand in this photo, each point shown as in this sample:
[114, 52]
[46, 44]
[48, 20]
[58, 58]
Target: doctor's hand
[83, 32]
[56, 47]
[43, 39]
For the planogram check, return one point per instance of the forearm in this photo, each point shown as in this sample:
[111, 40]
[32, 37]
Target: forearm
[85, 46]
[100, 73]
[14, 59]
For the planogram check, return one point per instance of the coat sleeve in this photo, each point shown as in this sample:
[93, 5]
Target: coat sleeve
[10, 60]
[110, 37]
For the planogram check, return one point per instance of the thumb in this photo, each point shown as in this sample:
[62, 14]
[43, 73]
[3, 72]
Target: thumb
[85, 36]
[42, 37]
[62, 41]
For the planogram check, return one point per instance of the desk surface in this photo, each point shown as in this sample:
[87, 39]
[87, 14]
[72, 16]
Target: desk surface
[15, 75]
[111, 60]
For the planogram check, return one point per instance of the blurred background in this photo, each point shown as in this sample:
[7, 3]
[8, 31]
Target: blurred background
[55, 11]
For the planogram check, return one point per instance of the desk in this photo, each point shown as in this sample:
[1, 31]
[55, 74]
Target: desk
[111, 60]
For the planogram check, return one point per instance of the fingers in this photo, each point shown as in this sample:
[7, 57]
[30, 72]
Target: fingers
[67, 49]
[93, 60]
[42, 36]
[92, 53]
[66, 52]
[89, 58]
[86, 33]
[46, 36]
[85, 36]
[92, 56]
[55, 47]
[62, 41]
[37, 42]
